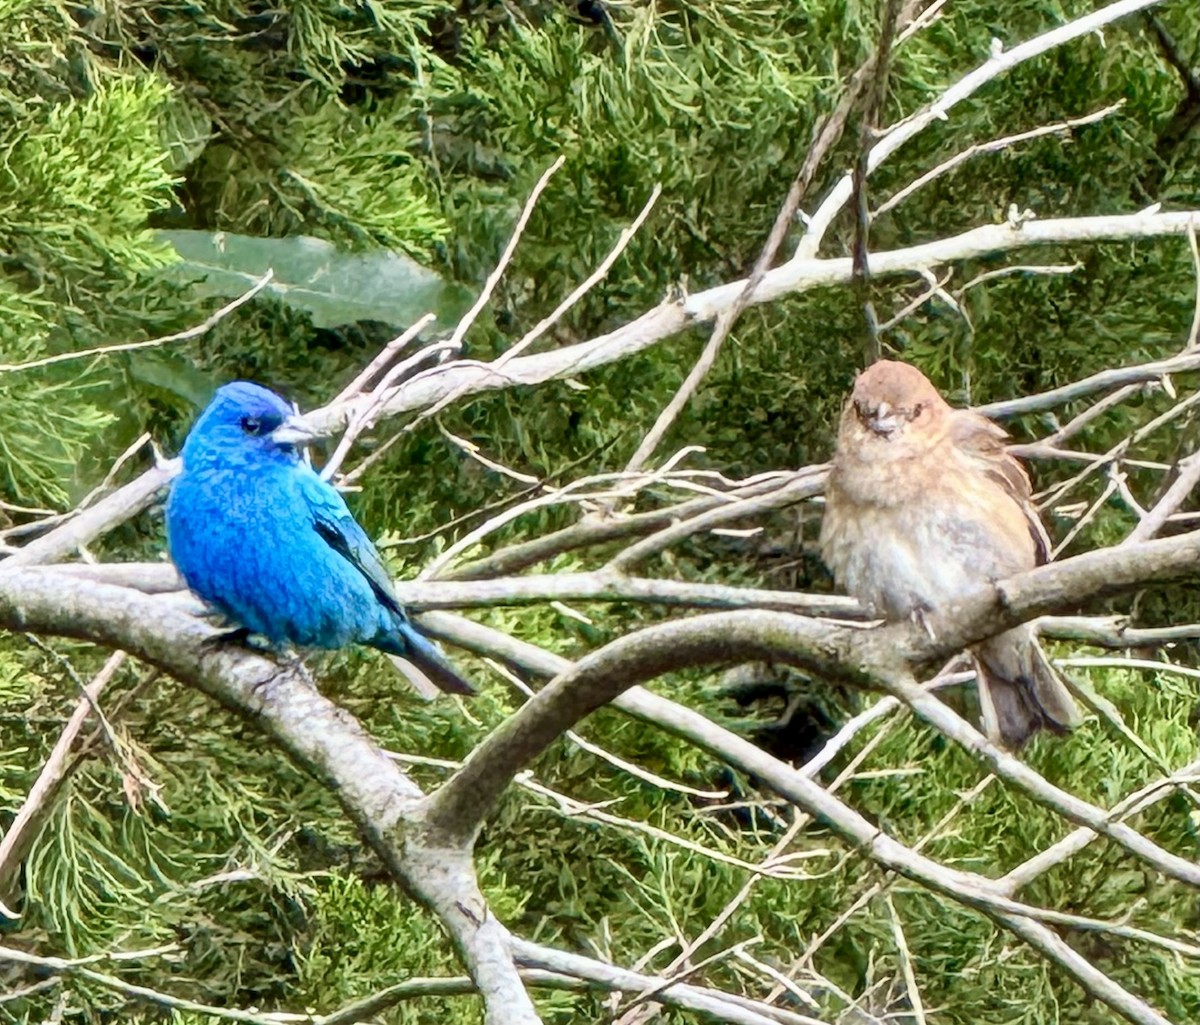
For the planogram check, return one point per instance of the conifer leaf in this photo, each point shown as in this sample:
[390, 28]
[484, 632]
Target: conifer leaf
[312, 275]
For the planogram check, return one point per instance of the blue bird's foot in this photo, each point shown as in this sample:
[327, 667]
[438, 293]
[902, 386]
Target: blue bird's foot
[287, 663]
[242, 636]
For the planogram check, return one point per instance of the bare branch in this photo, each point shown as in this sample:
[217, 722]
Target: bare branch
[804, 484]
[1077, 840]
[826, 135]
[793, 277]
[880, 656]
[966, 888]
[1000, 62]
[1154, 520]
[1104, 380]
[39, 802]
[321, 737]
[724, 1007]
[995, 146]
[123, 504]
[597, 530]
[150, 343]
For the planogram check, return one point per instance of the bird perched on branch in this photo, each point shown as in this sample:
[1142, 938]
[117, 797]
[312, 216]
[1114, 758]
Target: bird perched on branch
[925, 503]
[264, 540]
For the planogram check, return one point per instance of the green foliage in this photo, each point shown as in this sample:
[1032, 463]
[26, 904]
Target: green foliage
[77, 182]
[310, 275]
[73, 198]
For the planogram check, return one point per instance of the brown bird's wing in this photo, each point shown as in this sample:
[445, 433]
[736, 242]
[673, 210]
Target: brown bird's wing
[984, 444]
[1020, 691]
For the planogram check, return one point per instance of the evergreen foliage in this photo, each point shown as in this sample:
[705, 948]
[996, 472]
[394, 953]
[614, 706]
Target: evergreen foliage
[419, 126]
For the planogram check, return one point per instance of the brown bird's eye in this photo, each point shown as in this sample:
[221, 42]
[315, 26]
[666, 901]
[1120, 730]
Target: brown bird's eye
[918, 409]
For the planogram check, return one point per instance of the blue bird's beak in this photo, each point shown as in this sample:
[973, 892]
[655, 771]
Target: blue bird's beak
[294, 431]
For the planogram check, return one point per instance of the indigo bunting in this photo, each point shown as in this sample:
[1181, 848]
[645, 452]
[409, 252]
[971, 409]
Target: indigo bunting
[259, 536]
[925, 503]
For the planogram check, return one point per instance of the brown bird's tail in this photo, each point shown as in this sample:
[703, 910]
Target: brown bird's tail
[1020, 692]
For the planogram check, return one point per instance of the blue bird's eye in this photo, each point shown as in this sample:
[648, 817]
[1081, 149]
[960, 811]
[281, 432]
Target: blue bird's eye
[252, 425]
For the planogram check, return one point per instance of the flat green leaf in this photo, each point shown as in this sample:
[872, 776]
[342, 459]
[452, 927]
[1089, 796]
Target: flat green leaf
[173, 374]
[333, 287]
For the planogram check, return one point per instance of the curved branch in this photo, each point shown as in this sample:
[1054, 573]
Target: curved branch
[796, 276]
[1104, 380]
[880, 657]
[966, 888]
[322, 738]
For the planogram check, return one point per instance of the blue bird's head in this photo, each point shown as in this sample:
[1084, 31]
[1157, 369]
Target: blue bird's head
[242, 420]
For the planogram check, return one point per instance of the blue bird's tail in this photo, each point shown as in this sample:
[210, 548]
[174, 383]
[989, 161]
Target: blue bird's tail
[413, 651]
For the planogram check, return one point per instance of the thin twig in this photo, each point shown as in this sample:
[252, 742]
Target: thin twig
[151, 343]
[995, 146]
[1000, 62]
[825, 136]
[39, 802]
[872, 106]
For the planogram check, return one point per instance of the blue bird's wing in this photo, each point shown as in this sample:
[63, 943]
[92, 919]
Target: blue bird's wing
[337, 527]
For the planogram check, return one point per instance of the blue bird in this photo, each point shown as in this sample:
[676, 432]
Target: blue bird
[263, 539]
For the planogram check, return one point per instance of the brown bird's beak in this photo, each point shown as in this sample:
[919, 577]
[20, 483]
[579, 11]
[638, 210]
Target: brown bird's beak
[883, 420]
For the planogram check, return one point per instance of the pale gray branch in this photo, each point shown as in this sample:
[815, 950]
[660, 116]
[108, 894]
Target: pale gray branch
[1104, 380]
[881, 657]
[322, 738]
[1001, 61]
[964, 887]
[671, 317]
[714, 1004]
[601, 585]
[123, 504]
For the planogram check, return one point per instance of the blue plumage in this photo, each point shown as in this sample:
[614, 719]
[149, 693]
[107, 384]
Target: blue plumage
[259, 536]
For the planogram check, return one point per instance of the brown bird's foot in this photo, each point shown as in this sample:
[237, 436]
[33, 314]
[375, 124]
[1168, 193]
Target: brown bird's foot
[920, 616]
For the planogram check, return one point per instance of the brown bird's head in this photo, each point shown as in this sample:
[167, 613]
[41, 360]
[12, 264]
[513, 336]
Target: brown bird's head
[894, 412]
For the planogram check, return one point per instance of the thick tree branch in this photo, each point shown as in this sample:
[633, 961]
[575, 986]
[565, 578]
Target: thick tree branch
[880, 657]
[420, 838]
[964, 887]
[322, 738]
[1104, 380]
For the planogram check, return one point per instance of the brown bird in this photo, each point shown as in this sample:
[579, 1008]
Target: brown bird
[925, 503]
